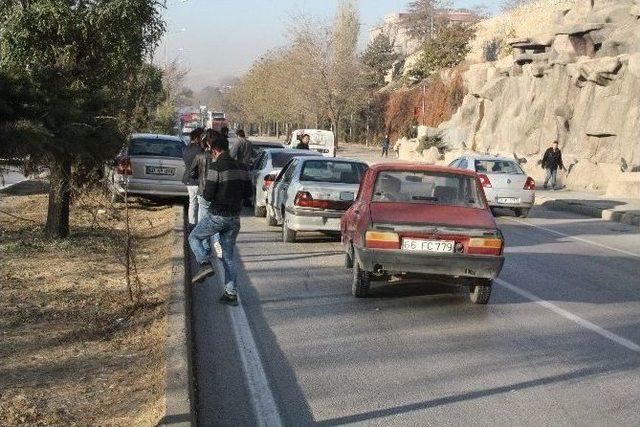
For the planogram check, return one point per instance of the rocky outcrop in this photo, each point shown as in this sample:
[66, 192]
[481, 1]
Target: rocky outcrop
[578, 84]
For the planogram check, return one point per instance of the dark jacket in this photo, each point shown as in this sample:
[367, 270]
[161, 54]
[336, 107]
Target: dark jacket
[189, 153]
[552, 159]
[242, 151]
[198, 170]
[302, 146]
[227, 184]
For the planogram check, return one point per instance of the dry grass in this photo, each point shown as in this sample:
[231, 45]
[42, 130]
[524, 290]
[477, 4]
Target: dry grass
[73, 353]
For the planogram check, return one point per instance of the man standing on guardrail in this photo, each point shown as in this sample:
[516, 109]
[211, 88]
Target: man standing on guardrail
[227, 184]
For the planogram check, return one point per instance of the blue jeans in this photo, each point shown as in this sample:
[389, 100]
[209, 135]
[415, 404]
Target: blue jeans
[228, 228]
[552, 175]
[203, 211]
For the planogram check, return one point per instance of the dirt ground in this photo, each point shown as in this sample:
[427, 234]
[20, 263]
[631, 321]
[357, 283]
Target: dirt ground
[74, 352]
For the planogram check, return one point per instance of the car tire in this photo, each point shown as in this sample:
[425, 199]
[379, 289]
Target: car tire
[361, 282]
[259, 211]
[348, 258]
[522, 212]
[271, 221]
[493, 212]
[480, 292]
[288, 235]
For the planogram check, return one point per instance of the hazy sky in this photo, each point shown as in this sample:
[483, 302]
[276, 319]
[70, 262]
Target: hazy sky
[220, 38]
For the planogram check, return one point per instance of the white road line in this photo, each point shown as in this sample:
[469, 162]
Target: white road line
[570, 316]
[579, 239]
[261, 395]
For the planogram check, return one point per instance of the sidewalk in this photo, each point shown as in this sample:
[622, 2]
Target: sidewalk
[626, 211]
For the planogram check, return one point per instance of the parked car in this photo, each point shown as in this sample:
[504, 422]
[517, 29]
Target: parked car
[264, 171]
[311, 194]
[258, 146]
[426, 220]
[322, 141]
[504, 182]
[150, 165]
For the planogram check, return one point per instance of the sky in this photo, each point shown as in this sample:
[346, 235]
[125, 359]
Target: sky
[216, 39]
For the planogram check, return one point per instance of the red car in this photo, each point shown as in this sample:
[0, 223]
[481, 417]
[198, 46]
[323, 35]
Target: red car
[429, 220]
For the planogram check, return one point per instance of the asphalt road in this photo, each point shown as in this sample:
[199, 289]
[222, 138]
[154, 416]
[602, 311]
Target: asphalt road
[557, 345]
[9, 177]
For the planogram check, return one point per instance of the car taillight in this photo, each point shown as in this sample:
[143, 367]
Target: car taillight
[124, 166]
[484, 180]
[485, 246]
[530, 184]
[304, 199]
[382, 240]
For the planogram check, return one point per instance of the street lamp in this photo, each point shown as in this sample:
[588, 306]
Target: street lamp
[424, 95]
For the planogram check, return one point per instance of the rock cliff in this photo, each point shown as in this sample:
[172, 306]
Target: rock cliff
[578, 82]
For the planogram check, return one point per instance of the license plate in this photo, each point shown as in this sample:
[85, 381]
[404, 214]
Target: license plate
[420, 245]
[347, 196]
[508, 200]
[153, 170]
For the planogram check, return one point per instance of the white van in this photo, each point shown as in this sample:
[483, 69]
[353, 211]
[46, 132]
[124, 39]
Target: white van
[321, 141]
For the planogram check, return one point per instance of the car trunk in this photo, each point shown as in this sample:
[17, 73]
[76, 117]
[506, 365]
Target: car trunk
[340, 195]
[503, 181]
[157, 168]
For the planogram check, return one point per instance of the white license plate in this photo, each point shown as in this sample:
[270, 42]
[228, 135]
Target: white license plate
[152, 170]
[428, 245]
[508, 200]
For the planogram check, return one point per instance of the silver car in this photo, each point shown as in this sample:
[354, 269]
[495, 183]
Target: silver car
[312, 194]
[505, 183]
[265, 170]
[150, 165]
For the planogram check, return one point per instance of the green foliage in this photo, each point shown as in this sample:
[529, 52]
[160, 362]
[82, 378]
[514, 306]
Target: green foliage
[422, 19]
[446, 50]
[378, 59]
[429, 141]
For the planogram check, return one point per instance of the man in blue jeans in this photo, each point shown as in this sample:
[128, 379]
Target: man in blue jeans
[226, 185]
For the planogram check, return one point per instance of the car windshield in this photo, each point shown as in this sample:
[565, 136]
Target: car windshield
[155, 147]
[331, 171]
[498, 166]
[280, 158]
[427, 187]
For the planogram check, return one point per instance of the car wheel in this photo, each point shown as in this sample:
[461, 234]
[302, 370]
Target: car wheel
[288, 235]
[480, 292]
[259, 211]
[493, 212]
[361, 281]
[521, 212]
[348, 258]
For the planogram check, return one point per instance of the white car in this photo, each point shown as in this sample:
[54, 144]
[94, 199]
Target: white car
[312, 194]
[321, 141]
[264, 171]
[505, 184]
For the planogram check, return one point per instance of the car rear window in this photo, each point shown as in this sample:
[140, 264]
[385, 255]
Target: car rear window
[331, 171]
[280, 158]
[498, 166]
[155, 147]
[427, 187]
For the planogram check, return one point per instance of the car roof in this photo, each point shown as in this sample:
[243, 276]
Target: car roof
[266, 143]
[332, 159]
[500, 158]
[155, 136]
[419, 167]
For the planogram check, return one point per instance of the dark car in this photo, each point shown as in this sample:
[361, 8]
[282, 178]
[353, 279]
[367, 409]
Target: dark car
[427, 220]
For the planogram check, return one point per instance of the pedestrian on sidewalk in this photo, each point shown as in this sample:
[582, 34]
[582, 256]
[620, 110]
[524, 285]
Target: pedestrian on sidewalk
[242, 151]
[385, 146]
[189, 154]
[227, 183]
[551, 161]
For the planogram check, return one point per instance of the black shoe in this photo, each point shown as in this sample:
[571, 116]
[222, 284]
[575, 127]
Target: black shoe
[205, 271]
[229, 299]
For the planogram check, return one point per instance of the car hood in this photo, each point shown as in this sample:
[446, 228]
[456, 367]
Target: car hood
[422, 213]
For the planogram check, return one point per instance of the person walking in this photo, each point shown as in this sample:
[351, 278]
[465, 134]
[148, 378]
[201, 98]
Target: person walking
[304, 142]
[551, 161]
[226, 184]
[189, 154]
[242, 151]
[385, 146]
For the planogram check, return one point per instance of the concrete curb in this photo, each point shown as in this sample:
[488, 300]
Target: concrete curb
[623, 217]
[179, 408]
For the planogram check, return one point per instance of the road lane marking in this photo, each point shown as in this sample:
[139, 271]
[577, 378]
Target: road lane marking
[570, 316]
[622, 251]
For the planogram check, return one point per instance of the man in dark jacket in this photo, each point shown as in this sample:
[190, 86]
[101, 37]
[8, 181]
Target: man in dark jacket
[551, 161]
[242, 151]
[189, 153]
[227, 183]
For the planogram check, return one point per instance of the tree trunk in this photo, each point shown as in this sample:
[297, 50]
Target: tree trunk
[57, 225]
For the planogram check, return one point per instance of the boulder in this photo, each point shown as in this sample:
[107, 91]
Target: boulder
[634, 64]
[430, 156]
[476, 77]
[586, 175]
[493, 88]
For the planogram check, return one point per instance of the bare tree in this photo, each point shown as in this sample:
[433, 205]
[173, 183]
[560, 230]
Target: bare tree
[423, 18]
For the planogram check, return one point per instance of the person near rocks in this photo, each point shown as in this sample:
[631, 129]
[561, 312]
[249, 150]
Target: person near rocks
[551, 161]
[385, 146]
[189, 154]
[227, 184]
[304, 142]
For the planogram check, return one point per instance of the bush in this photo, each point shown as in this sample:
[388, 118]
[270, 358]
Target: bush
[429, 141]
